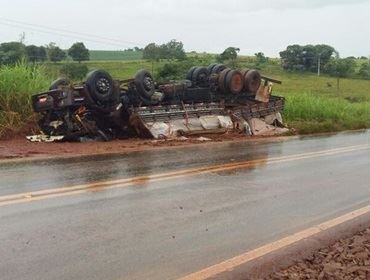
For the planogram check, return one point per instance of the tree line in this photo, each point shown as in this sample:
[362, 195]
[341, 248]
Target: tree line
[12, 52]
[310, 58]
[322, 58]
[171, 50]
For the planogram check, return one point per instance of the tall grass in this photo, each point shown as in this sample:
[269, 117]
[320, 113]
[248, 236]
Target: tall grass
[309, 113]
[17, 84]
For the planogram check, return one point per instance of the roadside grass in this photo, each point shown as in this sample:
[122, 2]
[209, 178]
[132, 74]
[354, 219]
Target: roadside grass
[17, 84]
[313, 113]
[315, 104]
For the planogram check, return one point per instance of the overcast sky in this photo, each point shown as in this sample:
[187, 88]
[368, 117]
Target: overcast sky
[202, 25]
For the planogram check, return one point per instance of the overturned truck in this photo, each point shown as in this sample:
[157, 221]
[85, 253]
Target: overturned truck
[211, 99]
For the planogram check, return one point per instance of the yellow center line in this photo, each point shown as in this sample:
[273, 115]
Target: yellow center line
[96, 186]
[230, 264]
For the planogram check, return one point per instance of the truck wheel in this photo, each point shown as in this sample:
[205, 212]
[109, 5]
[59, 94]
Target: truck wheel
[222, 79]
[144, 84]
[234, 82]
[61, 82]
[200, 76]
[252, 81]
[218, 68]
[100, 85]
[244, 72]
[189, 75]
[210, 67]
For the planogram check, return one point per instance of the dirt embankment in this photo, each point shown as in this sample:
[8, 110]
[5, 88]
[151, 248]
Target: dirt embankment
[346, 259]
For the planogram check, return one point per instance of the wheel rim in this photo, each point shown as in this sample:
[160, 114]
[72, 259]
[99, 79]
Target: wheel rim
[202, 77]
[103, 85]
[236, 84]
[148, 83]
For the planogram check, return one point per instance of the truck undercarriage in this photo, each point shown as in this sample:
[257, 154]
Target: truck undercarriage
[210, 99]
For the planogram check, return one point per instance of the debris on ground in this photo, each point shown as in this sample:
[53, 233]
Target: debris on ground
[44, 138]
[346, 259]
[202, 139]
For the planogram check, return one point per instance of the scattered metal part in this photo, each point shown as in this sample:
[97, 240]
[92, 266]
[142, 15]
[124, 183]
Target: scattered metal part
[44, 138]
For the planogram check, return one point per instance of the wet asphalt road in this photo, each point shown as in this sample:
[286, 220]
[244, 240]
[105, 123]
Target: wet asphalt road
[170, 228]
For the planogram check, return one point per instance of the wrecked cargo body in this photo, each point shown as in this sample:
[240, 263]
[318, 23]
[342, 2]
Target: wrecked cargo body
[211, 99]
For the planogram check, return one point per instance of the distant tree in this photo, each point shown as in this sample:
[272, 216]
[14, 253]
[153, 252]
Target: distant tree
[230, 53]
[137, 49]
[152, 52]
[173, 50]
[32, 53]
[79, 52]
[35, 53]
[261, 58]
[42, 54]
[11, 52]
[364, 71]
[291, 58]
[55, 53]
[341, 68]
[306, 58]
[326, 53]
[363, 57]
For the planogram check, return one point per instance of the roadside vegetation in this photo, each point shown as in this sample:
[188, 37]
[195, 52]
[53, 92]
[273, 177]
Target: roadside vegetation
[336, 100]
[17, 84]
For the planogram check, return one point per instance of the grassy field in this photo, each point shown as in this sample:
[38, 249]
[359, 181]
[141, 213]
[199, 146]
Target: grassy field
[314, 104]
[115, 55]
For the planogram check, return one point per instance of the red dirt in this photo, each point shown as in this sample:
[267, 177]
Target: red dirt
[346, 259]
[19, 147]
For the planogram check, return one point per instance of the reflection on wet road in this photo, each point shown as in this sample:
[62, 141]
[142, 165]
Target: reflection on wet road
[169, 228]
[30, 176]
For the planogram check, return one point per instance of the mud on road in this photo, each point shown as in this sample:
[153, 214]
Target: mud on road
[346, 259]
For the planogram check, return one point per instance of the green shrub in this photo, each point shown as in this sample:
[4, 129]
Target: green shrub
[74, 71]
[177, 70]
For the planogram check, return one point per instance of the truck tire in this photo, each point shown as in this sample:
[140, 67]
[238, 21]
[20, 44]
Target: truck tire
[218, 68]
[234, 82]
[144, 84]
[200, 76]
[61, 82]
[189, 75]
[244, 72]
[210, 67]
[252, 81]
[222, 79]
[100, 86]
